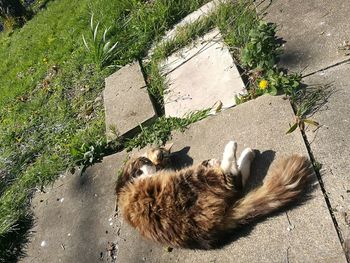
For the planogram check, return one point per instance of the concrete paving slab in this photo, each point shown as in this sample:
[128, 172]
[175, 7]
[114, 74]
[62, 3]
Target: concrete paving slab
[204, 11]
[330, 144]
[200, 75]
[75, 217]
[126, 100]
[302, 234]
[313, 30]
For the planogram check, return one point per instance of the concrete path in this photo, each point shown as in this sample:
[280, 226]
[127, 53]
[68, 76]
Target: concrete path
[314, 31]
[81, 228]
[200, 75]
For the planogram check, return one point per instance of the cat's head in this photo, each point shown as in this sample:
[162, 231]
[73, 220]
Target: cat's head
[134, 168]
[154, 159]
[159, 156]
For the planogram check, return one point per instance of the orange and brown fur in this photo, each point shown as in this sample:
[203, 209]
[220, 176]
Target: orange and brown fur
[194, 206]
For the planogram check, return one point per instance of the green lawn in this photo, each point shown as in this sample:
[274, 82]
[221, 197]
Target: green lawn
[49, 114]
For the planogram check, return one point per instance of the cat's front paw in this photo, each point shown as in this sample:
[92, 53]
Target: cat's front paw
[214, 163]
[211, 163]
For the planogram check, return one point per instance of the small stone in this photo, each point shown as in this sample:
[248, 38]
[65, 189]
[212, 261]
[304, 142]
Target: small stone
[168, 249]
[43, 243]
[290, 228]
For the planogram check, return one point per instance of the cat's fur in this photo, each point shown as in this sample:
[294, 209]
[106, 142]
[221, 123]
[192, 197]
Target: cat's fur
[194, 206]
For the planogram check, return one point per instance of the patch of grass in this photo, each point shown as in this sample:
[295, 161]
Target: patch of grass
[306, 102]
[160, 131]
[50, 118]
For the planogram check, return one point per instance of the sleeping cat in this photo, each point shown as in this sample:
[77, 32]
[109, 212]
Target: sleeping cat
[193, 207]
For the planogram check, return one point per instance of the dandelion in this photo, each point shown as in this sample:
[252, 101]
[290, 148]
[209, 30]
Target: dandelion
[263, 84]
[45, 60]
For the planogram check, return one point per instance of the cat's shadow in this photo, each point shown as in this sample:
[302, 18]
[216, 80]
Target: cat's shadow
[180, 159]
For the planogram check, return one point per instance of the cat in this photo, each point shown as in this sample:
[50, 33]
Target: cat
[194, 206]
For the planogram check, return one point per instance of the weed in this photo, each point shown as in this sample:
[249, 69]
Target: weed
[160, 131]
[102, 50]
[262, 50]
[306, 102]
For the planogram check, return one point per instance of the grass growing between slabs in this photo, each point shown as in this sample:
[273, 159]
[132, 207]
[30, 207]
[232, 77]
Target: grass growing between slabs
[255, 48]
[51, 112]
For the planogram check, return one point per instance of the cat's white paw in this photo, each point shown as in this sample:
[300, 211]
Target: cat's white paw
[214, 163]
[228, 156]
[244, 162]
[230, 150]
[248, 154]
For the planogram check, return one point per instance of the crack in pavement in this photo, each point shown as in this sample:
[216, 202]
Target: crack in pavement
[328, 67]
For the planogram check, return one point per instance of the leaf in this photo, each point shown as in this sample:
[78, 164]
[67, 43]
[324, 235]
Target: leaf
[292, 128]
[74, 152]
[85, 43]
[308, 121]
[92, 21]
[95, 32]
[106, 46]
[272, 91]
[112, 48]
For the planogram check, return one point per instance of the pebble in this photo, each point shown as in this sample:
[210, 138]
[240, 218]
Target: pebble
[43, 243]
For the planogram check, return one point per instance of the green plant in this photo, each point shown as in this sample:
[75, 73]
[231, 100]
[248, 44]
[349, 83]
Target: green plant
[307, 102]
[262, 50]
[160, 131]
[102, 50]
[274, 82]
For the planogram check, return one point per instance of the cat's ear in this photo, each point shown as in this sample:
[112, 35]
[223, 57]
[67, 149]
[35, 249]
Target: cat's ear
[168, 147]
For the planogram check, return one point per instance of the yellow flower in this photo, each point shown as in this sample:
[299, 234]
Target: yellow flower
[263, 84]
[45, 60]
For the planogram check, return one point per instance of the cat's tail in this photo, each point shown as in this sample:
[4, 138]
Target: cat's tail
[284, 182]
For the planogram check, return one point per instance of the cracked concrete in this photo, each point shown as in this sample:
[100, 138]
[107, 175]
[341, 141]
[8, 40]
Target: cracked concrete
[314, 31]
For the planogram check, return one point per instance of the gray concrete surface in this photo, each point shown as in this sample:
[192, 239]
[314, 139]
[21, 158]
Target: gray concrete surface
[309, 237]
[330, 144]
[126, 100]
[313, 30]
[74, 219]
[200, 75]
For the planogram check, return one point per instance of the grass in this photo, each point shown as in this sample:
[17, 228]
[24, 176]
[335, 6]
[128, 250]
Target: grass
[49, 114]
[160, 132]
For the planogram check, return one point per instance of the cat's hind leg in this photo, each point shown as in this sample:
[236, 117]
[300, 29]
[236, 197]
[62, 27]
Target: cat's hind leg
[229, 162]
[244, 163]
